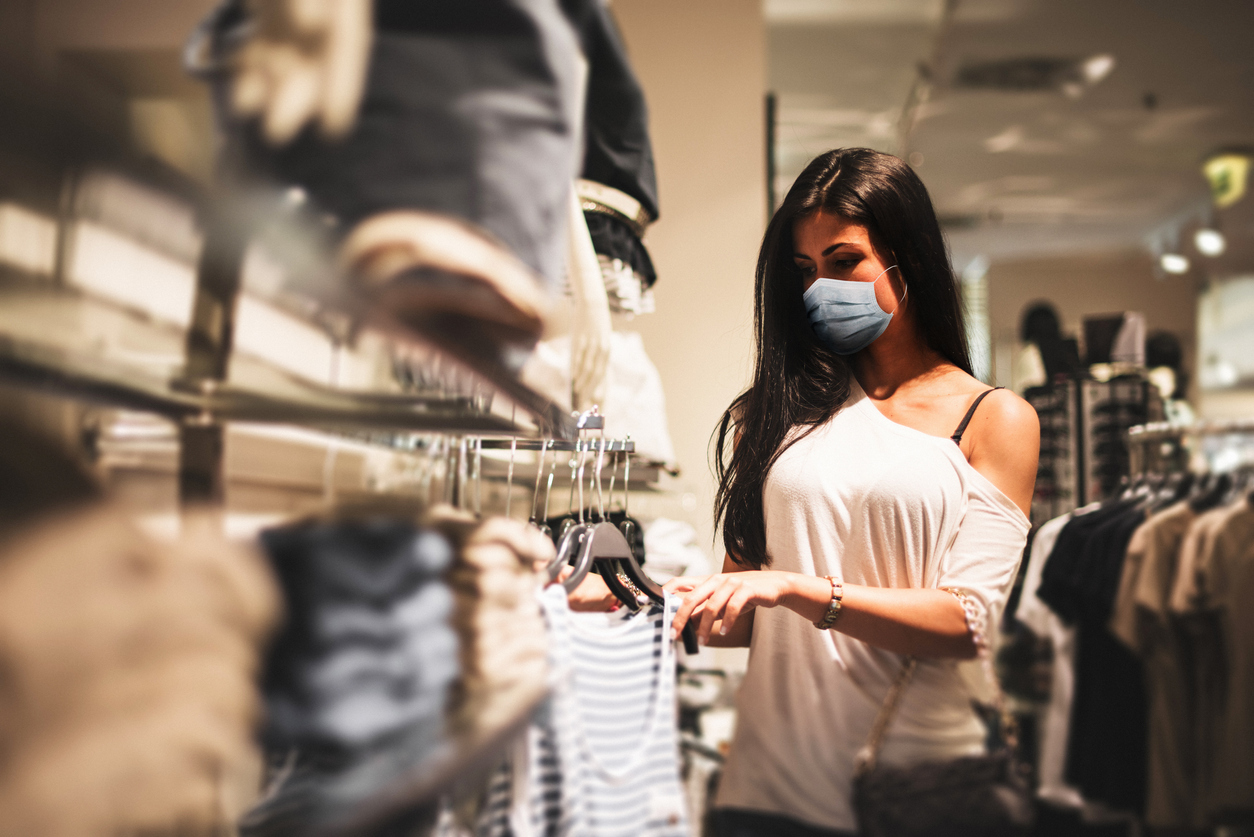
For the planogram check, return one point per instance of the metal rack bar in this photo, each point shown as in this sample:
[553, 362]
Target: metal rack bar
[98, 381]
[591, 445]
[1165, 431]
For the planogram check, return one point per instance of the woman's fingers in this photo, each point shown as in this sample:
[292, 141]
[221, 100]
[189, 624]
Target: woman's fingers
[692, 599]
[714, 606]
[738, 604]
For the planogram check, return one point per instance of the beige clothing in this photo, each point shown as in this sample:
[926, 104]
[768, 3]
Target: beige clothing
[1140, 619]
[1224, 583]
[128, 703]
[1200, 623]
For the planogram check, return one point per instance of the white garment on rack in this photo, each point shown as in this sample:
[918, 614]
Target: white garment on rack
[602, 758]
[876, 503]
[1043, 622]
[635, 402]
[674, 549]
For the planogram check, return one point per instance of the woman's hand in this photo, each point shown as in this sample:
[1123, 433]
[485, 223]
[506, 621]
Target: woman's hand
[592, 594]
[719, 601]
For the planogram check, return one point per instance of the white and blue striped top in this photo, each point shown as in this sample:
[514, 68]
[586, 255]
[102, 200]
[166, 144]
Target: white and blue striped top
[601, 758]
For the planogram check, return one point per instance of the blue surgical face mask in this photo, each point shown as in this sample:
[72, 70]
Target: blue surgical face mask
[845, 314]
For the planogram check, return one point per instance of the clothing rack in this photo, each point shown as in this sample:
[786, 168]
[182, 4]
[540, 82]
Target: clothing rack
[1163, 430]
[1152, 443]
[587, 445]
[198, 395]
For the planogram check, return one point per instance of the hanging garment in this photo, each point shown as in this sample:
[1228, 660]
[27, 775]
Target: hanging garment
[367, 651]
[1203, 635]
[635, 400]
[500, 629]
[1045, 623]
[602, 758]
[358, 681]
[674, 549]
[471, 109]
[1106, 751]
[128, 704]
[872, 502]
[1141, 621]
[1221, 584]
[618, 154]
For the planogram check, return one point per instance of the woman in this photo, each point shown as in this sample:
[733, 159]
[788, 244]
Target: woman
[846, 502]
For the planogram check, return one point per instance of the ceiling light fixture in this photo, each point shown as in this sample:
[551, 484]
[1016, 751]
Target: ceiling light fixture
[1174, 263]
[1030, 74]
[1227, 172]
[1097, 67]
[1210, 242]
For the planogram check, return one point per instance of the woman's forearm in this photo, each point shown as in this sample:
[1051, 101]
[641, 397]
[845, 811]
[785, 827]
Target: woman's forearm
[919, 622]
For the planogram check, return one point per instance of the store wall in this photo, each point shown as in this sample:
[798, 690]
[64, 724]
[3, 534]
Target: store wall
[1083, 285]
[703, 67]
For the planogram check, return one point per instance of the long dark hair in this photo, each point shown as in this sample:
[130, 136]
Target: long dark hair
[796, 381]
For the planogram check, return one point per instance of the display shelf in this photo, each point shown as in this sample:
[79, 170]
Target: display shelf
[111, 384]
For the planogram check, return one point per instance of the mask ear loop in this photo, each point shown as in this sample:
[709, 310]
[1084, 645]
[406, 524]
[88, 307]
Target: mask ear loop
[905, 289]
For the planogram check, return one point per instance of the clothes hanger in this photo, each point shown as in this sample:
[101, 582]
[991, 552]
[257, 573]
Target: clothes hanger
[1211, 496]
[573, 530]
[606, 566]
[477, 478]
[535, 494]
[606, 548]
[509, 475]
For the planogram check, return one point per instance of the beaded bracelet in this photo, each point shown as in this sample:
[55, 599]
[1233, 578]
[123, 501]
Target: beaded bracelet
[833, 607]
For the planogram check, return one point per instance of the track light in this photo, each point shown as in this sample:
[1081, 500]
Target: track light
[1210, 242]
[1174, 263]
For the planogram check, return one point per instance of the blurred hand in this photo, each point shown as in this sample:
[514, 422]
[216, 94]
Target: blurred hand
[306, 61]
[592, 594]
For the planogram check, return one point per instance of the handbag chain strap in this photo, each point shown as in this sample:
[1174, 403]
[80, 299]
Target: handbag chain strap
[869, 754]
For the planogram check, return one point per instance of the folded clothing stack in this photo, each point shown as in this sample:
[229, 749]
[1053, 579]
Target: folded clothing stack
[367, 649]
[357, 683]
[129, 701]
[504, 646]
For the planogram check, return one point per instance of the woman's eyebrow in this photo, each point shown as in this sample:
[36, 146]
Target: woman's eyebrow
[836, 246]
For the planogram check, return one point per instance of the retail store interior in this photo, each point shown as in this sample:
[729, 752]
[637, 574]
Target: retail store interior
[341, 340]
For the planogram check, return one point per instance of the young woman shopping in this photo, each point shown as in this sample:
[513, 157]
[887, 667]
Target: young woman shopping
[873, 501]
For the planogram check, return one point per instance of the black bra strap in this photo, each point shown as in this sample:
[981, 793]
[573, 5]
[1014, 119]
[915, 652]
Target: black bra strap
[962, 428]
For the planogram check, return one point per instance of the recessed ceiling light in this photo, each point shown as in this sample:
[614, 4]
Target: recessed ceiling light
[1097, 68]
[1174, 263]
[1210, 242]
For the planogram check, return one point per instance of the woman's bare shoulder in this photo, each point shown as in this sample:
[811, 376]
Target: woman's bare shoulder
[1003, 442]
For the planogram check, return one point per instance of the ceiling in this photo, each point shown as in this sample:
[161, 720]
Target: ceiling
[1081, 166]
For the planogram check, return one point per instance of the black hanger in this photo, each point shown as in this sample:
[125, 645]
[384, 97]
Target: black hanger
[1211, 493]
[1179, 486]
[605, 547]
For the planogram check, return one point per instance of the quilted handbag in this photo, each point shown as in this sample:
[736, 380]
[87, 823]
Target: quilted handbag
[972, 796]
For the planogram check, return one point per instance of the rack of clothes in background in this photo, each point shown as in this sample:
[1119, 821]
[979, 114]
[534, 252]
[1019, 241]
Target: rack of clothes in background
[1147, 722]
[1083, 453]
[266, 561]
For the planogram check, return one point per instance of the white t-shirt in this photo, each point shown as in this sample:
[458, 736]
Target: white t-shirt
[1051, 783]
[874, 503]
